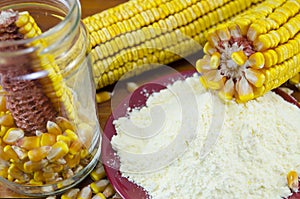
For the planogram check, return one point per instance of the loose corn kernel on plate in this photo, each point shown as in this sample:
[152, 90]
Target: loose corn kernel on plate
[137, 99]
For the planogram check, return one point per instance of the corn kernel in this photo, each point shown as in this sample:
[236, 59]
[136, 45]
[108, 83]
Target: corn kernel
[103, 96]
[98, 173]
[72, 160]
[10, 153]
[37, 154]
[7, 120]
[99, 186]
[75, 147]
[13, 135]
[293, 180]
[99, 196]
[47, 139]
[53, 128]
[22, 153]
[29, 142]
[64, 124]
[15, 173]
[85, 193]
[215, 60]
[64, 139]
[31, 166]
[33, 182]
[70, 194]
[239, 57]
[109, 191]
[3, 171]
[59, 149]
[71, 134]
[38, 176]
[53, 168]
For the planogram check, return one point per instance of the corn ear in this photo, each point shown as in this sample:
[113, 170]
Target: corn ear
[260, 53]
[139, 35]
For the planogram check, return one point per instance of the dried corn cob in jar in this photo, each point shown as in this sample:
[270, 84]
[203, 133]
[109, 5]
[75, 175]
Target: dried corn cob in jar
[49, 127]
[138, 35]
[254, 53]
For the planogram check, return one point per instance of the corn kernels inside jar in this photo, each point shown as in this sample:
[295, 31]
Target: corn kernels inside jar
[49, 129]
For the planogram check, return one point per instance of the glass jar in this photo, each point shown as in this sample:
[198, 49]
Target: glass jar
[49, 129]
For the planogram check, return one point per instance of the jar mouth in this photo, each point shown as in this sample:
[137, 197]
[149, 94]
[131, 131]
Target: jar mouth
[71, 10]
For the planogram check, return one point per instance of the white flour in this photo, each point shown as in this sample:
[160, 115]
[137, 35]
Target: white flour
[259, 143]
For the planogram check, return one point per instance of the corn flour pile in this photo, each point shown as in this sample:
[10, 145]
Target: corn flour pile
[259, 144]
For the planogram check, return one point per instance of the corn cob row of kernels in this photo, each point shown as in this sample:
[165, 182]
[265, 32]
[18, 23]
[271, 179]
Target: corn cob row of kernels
[149, 28]
[53, 86]
[244, 61]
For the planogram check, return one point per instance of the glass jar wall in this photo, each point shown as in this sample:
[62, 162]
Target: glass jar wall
[49, 128]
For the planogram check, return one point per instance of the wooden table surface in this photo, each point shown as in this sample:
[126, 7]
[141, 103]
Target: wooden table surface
[90, 7]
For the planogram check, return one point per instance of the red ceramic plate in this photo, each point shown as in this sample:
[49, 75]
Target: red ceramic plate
[125, 188]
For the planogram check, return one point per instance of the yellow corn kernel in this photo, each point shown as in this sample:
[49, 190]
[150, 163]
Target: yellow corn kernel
[85, 193]
[293, 180]
[223, 33]
[37, 154]
[239, 57]
[37, 183]
[109, 191]
[3, 170]
[47, 139]
[103, 96]
[70, 194]
[50, 177]
[38, 176]
[99, 196]
[13, 135]
[3, 130]
[59, 149]
[72, 160]
[75, 147]
[29, 142]
[53, 168]
[3, 103]
[255, 77]
[215, 60]
[257, 60]
[64, 138]
[84, 153]
[64, 124]
[7, 120]
[3, 155]
[15, 173]
[208, 49]
[31, 166]
[99, 186]
[22, 153]
[10, 153]
[244, 90]
[71, 134]
[53, 128]
[98, 173]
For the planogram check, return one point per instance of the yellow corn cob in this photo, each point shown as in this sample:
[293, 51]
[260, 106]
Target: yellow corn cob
[135, 35]
[53, 86]
[259, 51]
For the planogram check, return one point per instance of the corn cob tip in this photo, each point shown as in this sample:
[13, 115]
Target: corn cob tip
[243, 62]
